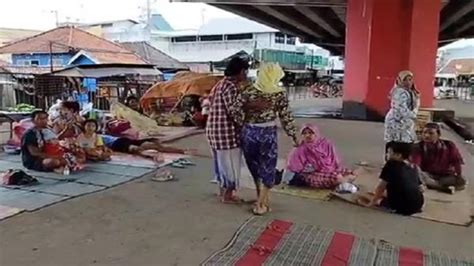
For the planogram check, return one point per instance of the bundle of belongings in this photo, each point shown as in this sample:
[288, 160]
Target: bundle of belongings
[187, 91]
[131, 123]
[17, 178]
[183, 84]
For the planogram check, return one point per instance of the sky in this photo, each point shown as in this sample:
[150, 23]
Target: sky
[41, 14]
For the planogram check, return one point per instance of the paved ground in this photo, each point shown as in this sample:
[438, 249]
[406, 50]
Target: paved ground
[182, 223]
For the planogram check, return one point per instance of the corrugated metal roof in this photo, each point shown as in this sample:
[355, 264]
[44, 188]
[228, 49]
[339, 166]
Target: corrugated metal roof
[101, 72]
[154, 56]
[27, 69]
[459, 66]
[8, 35]
[160, 23]
[235, 25]
[206, 56]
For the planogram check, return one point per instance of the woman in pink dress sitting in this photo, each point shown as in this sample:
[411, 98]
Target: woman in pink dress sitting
[315, 162]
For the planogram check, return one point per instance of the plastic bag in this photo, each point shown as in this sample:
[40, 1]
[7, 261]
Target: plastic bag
[86, 108]
[53, 111]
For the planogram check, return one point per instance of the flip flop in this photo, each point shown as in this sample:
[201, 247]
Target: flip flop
[178, 165]
[185, 162]
[164, 176]
[233, 200]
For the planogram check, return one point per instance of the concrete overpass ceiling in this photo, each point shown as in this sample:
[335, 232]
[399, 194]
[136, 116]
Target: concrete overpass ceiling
[457, 20]
[322, 22]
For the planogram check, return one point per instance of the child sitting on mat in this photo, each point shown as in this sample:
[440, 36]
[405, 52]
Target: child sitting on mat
[53, 148]
[92, 143]
[399, 189]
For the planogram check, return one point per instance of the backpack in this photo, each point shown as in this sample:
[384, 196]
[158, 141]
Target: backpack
[18, 178]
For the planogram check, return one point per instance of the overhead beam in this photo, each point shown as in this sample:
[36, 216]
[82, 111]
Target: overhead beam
[340, 13]
[464, 27]
[311, 15]
[260, 19]
[289, 20]
[259, 16]
[269, 2]
[464, 8]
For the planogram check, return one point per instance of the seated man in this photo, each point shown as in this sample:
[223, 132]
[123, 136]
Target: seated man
[400, 188]
[148, 148]
[439, 160]
[33, 154]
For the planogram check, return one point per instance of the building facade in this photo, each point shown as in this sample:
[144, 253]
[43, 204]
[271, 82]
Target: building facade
[220, 39]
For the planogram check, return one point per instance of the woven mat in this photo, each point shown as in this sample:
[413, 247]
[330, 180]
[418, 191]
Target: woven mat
[54, 188]
[263, 241]
[317, 194]
[440, 207]
[137, 161]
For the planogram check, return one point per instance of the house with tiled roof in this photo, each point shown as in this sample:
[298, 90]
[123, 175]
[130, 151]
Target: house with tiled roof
[65, 46]
[459, 66]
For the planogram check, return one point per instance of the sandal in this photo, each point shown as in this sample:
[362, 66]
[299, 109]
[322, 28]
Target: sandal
[232, 200]
[260, 213]
[163, 176]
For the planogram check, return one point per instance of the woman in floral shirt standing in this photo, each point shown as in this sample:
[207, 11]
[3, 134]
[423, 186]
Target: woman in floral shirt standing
[400, 120]
[259, 132]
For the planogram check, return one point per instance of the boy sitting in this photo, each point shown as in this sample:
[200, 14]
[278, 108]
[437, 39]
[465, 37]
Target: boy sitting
[400, 187]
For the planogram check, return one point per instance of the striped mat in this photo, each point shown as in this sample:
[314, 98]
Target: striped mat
[53, 188]
[262, 241]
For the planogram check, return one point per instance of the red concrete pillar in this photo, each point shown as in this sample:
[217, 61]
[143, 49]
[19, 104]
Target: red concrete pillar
[384, 37]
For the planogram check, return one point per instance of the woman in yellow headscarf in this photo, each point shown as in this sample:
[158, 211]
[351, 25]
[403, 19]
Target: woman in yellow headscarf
[400, 120]
[259, 131]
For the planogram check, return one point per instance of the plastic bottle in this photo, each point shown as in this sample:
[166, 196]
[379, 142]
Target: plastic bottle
[67, 171]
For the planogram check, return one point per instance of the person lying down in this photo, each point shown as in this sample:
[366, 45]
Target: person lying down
[400, 189]
[146, 148]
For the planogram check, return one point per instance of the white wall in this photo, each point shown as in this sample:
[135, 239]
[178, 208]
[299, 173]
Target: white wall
[336, 63]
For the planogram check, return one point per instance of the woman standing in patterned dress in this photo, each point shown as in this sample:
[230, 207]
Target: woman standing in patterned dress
[400, 121]
[259, 132]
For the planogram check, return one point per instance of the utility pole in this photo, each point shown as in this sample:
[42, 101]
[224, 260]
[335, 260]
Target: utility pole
[51, 56]
[148, 12]
[56, 16]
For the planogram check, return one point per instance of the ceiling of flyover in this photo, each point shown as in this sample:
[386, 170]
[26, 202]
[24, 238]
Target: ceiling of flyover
[322, 22]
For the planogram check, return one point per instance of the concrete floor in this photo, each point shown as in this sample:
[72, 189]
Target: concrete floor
[182, 223]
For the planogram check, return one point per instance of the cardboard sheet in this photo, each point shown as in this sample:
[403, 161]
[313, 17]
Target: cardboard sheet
[137, 161]
[6, 211]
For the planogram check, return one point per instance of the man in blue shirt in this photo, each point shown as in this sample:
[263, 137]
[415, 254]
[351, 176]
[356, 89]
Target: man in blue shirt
[32, 146]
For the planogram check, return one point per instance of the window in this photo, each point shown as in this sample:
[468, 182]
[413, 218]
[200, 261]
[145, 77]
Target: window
[211, 38]
[279, 37]
[23, 62]
[236, 37]
[290, 39]
[56, 62]
[184, 39]
[27, 62]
